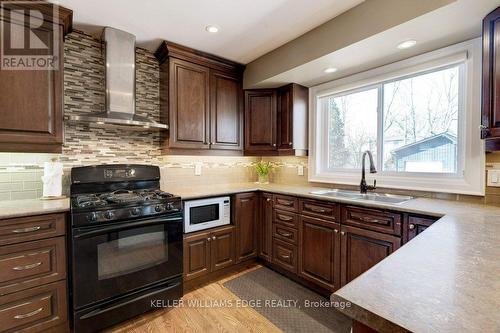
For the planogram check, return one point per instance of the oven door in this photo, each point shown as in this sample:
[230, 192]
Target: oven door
[116, 259]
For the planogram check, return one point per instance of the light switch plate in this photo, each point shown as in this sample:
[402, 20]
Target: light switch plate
[300, 170]
[494, 177]
[197, 169]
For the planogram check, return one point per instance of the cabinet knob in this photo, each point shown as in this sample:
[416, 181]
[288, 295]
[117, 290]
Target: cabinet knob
[268, 199]
[335, 231]
[411, 226]
[290, 143]
[274, 145]
[214, 238]
[482, 127]
[208, 239]
[342, 233]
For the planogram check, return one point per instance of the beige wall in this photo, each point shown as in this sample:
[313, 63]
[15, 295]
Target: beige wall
[365, 20]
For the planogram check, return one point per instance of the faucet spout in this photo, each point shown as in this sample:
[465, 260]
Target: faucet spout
[363, 187]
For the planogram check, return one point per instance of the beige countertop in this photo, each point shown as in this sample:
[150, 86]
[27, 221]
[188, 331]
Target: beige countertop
[28, 207]
[445, 280]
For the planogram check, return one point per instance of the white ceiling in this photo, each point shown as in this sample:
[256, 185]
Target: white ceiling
[456, 22]
[248, 28]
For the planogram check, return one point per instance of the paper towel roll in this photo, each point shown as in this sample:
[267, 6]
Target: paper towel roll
[52, 179]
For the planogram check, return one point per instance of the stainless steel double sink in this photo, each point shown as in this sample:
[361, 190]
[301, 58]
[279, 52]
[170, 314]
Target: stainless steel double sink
[353, 195]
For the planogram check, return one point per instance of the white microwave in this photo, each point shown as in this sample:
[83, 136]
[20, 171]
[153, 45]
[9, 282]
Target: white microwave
[206, 213]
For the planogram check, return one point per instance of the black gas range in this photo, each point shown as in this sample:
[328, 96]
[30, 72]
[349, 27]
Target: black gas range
[126, 244]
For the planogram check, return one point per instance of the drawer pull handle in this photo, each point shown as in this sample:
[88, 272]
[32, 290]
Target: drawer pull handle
[285, 203]
[30, 266]
[24, 230]
[284, 234]
[314, 209]
[284, 256]
[367, 219]
[284, 218]
[29, 314]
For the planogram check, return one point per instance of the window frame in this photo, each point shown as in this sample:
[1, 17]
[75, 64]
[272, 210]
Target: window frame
[469, 178]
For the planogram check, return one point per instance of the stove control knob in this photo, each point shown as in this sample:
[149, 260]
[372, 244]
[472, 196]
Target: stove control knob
[109, 215]
[170, 206]
[92, 217]
[158, 208]
[135, 211]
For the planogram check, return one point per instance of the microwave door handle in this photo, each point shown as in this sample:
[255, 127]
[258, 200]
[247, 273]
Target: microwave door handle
[103, 230]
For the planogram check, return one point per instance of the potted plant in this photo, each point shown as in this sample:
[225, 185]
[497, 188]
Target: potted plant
[263, 169]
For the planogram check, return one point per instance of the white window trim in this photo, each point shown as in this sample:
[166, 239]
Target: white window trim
[470, 145]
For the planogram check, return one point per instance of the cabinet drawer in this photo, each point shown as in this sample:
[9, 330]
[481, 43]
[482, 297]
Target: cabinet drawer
[285, 202]
[31, 264]
[285, 233]
[34, 310]
[372, 219]
[288, 219]
[285, 255]
[319, 209]
[30, 228]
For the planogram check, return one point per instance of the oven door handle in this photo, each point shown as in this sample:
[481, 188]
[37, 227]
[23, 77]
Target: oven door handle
[102, 310]
[84, 233]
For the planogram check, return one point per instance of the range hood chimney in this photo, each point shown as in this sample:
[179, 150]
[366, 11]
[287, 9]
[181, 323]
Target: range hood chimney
[120, 84]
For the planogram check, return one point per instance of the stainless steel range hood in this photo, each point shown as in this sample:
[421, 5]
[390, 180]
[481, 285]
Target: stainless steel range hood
[120, 84]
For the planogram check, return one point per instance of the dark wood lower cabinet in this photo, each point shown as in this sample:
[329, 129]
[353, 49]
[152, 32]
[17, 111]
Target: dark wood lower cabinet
[266, 227]
[319, 257]
[416, 225]
[285, 255]
[222, 248]
[246, 220]
[208, 251]
[362, 249]
[196, 255]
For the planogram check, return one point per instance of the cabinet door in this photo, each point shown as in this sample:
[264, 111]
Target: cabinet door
[285, 117]
[260, 120]
[266, 226]
[319, 252]
[31, 108]
[189, 105]
[417, 224]
[491, 76]
[362, 249]
[196, 255]
[226, 119]
[246, 214]
[222, 248]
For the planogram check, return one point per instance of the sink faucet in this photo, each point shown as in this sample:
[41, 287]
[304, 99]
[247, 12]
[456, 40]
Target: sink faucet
[363, 188]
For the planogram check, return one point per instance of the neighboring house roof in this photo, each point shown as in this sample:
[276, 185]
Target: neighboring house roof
[424, 144]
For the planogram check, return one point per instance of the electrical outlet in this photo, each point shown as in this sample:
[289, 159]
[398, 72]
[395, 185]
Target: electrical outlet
[494, 177]
[197, 169]
[300, 170]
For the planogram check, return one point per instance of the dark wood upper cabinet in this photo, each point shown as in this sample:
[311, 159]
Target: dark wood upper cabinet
[225, 111]
[319, 247]
[490, 124]
[276, 120]
[246, 213]
[31, 101]
[201, 99]
[266, 226]
[189, 105]
[362, 249]
[260, 121]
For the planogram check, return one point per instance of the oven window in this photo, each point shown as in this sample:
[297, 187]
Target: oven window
[132, 250]
[202, 214]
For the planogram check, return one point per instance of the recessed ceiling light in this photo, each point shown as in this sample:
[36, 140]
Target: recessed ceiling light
[212, 29]
[407, 44]
[330, 70]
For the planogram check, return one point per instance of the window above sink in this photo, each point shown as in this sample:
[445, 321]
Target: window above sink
[419, 117]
